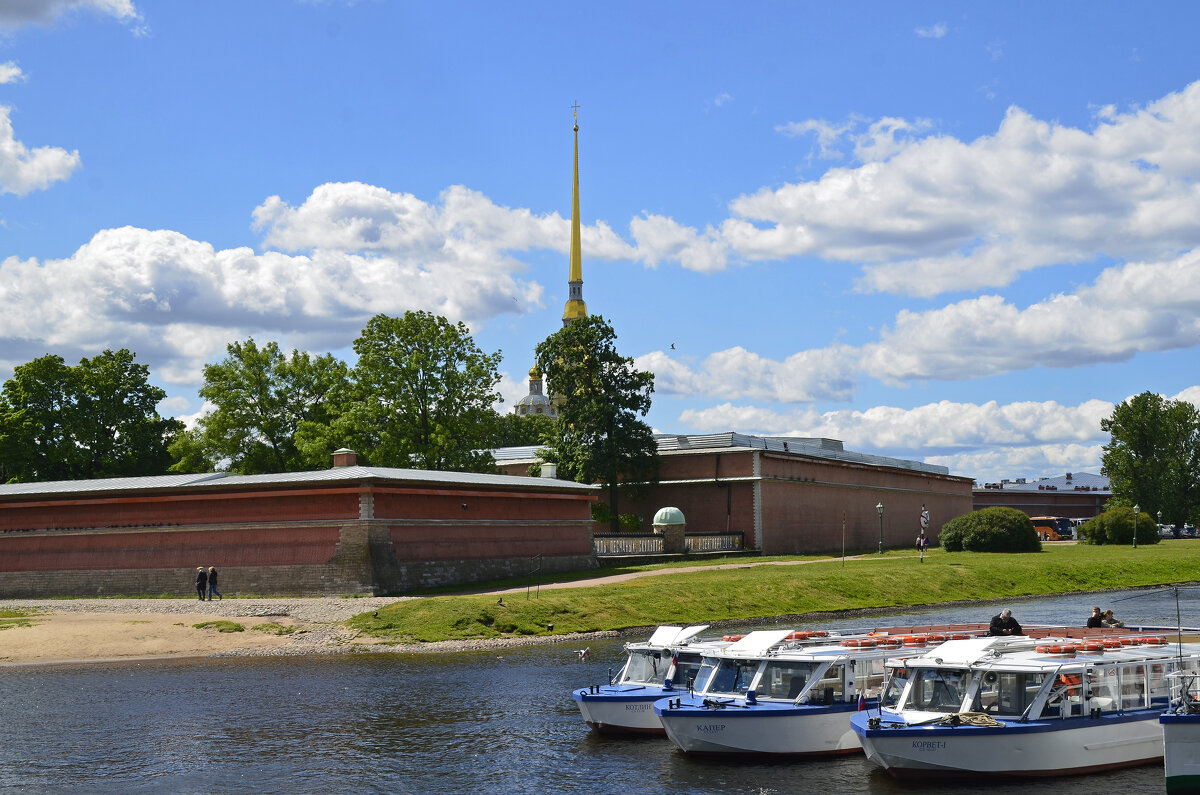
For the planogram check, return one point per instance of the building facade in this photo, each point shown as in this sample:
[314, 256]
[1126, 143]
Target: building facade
[791, 495]
[346, 530]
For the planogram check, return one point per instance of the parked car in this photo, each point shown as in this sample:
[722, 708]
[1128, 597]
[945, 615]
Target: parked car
[1189, 531]
[1166, 531]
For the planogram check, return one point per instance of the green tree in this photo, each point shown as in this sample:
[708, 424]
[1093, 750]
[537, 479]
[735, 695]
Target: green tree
[422, 395]
[599, 435]
[95, 420]
[260, 397]
[1153, 456]
[522, 430]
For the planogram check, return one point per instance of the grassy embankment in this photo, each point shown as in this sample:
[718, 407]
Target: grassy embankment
[895, 579]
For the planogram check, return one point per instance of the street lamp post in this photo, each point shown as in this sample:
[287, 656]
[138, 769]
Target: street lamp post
[879, 508]
[1136, 509]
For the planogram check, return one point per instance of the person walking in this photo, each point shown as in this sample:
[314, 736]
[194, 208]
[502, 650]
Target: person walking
[201, 582]
[212, 583]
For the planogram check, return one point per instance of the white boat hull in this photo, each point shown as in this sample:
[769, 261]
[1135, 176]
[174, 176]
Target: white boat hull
[634, 716]
[1020, 750]
[738, 731]
[1181, 744]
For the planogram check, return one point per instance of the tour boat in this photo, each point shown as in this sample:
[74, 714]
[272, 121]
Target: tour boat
[759, 697]
[1181, 735]
[1021, 706]
[625, 705]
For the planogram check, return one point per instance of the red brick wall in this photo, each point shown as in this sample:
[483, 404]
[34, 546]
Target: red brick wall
[180, 509]
[476, 542]
[165, 549]
[445, 504]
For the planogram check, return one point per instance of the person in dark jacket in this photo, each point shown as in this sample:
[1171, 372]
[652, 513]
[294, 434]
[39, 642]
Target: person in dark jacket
[1095, 621]
[212, 583]
[1004, 624]
[201, 582]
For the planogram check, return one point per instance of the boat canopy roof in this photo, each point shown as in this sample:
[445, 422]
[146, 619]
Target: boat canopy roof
[671, 636]
[758, 642]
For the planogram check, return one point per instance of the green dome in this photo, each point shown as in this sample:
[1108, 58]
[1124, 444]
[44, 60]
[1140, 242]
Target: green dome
[669, 516]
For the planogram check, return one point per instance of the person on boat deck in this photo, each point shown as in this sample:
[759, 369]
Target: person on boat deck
[1110, 620]
[1004, 624]
[1095, 621]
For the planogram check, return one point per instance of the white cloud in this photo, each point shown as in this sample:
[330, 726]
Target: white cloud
[736, 373]
[10, 73]
[986, 441]
[1135, 308]
[932, 31]
[14, 13]
[23, 169]
[178, 301]
[926, 213]
[659, 238]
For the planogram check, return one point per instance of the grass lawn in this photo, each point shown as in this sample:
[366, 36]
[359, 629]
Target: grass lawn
[895, 579]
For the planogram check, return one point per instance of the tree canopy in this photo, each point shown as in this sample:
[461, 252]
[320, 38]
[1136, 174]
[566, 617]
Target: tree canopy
[95, 420]
[421, 395]
[599, 435]
[1153, 457]
[995, 529]
[260, 397]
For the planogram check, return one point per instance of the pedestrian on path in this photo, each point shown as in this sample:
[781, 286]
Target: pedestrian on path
[201, 582]
[212, 583]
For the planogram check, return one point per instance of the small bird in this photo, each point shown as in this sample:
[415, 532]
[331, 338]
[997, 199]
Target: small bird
[672, 346]
[584, 653]
[375, 614]
[500, 601]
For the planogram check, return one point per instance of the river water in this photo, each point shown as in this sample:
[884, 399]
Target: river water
[490, 722]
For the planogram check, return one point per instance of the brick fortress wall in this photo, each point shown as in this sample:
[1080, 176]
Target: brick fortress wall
[304, 541]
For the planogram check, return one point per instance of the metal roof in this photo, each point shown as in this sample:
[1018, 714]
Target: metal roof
[803, 445]
[337, 474]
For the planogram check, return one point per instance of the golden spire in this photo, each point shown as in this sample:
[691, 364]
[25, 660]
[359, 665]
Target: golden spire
[575, 308]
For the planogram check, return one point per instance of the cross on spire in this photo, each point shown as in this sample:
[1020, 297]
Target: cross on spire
[575, 110]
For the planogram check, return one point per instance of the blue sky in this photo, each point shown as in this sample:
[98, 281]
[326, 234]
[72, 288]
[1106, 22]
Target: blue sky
[952, 232]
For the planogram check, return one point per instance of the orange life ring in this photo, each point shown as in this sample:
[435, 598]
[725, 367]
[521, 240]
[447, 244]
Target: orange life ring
[935, 638]
[891, 643]
[1057, 649]
[1128, 641]
[1111, 643]
[959, 636]
[860, 643]
[731, 638]
[1155, 641]
[1092, 647]
[913, 640]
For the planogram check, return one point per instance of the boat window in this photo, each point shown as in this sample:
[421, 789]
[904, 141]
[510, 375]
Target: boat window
[893, 688]
[646, 667]
[707, 668]
[1133, 686]
[686, 667]
[829, 688]
[1011, 692]
[1102, 688]
[784, 679]
[732, 677]
[938, 689]
[869, 676]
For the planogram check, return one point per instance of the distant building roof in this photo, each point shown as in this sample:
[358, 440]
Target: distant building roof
[801, 445]
[1072, 481]
[224, 480]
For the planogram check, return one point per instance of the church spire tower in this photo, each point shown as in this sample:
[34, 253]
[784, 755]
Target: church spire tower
[575, 308]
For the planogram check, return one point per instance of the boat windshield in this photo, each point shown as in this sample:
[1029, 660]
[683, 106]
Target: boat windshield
[686, 668]
[784, 679]
[897, 678]
[646, 667]
[937, 689]
[731, 677]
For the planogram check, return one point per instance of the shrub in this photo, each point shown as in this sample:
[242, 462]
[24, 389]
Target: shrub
[1115, 526]
[990, 530]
